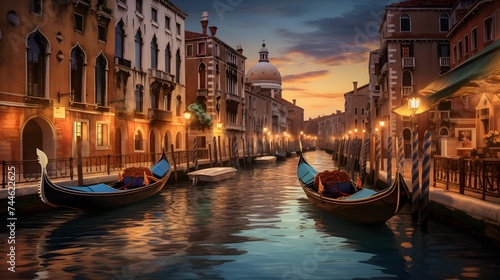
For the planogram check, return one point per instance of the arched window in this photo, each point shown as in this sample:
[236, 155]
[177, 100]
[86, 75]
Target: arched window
[35, 74]
[155, 95]
[202, 76]
[138, 50]
[405, 23]
[154, 53]
[138, 141]
[119, 40]
[178, 106]
[100, 80]
[407, 83]
[444, 23]
[77, 73]
[139, 100]
[178, 66]
[168, 59]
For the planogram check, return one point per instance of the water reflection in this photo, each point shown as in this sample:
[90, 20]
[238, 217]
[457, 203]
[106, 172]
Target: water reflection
[258, 225]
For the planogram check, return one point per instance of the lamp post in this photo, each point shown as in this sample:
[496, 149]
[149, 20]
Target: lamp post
[414, 104]
[187, 116]
[382, 124]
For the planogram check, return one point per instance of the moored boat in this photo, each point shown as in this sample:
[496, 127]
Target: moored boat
[212, 174]
[265, 160]
[281, 156]
[101, 196]
[365, 206]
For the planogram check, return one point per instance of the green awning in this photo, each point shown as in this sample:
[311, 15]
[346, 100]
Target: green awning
[480, 66]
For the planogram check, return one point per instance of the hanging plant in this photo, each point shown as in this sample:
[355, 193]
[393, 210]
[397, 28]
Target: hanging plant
[199, 118]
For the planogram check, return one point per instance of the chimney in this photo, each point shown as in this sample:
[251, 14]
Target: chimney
[204, 22]
[294, 100]
[213, 30]
[239, 49]
[355, 84]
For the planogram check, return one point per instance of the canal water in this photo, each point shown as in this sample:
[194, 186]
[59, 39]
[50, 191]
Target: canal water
[258, 225]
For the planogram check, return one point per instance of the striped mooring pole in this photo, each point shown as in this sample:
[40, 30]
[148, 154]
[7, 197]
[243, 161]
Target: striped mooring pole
[215, 151]
[377, 157]
[401, 154]
[426, 171]
[389, 160]
[366, 150]
[415, 184]
[235, 150]
[195, 153]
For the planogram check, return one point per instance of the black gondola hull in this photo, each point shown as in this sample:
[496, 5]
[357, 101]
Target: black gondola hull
[61, 196]
[375, 209]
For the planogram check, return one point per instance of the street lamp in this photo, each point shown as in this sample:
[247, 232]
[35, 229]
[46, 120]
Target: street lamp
[187, 116]
[382, 124]
[414, 104]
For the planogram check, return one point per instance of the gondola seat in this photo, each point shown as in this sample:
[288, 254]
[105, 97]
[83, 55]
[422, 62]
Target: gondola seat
[364, 193]
[93, 188]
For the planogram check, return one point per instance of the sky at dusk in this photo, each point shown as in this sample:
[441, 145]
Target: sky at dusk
[319, 46]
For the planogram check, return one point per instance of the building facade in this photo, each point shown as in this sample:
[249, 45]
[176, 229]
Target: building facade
[77, 80]
[56, 62]
[215, 74]
[150, 77]
[414, 49]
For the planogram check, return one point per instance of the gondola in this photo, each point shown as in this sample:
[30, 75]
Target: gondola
[280, 156]
[100, 197]
[365, 206]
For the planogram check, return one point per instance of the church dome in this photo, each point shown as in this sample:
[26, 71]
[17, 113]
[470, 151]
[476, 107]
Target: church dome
[264, 73]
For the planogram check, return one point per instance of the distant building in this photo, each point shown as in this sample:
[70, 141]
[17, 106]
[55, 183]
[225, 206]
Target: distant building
[267, 111]
[355, 110]
[215, 74]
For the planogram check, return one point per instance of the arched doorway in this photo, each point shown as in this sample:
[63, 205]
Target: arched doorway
[36, 133]
[32, 139]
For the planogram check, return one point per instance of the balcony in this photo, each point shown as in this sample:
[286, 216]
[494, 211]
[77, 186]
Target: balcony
[232, 97]
[160, 115]
[276, 112]
[123, 62]
[444, 62]
[408, 62]
[202, 92]
[233, 126]
[160, 76]
[406, 90]
[104, 13]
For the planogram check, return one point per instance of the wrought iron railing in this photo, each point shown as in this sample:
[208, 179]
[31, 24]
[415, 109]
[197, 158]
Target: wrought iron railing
[471, 174]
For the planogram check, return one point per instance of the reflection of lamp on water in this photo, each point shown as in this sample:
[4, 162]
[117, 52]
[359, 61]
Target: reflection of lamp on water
[187, 116]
